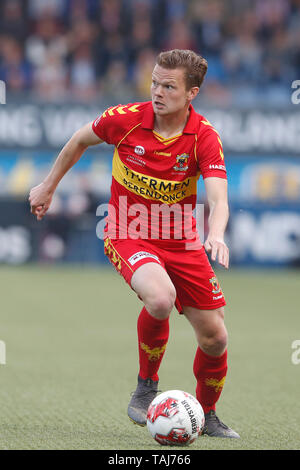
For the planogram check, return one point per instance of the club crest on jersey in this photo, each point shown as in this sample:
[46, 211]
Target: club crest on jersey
[139, 150]
[182, 161]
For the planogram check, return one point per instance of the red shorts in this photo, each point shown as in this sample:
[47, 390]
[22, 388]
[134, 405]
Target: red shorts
[189, 270]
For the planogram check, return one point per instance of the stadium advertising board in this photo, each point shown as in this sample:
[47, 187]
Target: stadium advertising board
[265, 131]
[264, 235]
[263, 172]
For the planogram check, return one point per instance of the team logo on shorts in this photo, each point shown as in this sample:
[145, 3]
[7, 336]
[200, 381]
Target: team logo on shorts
[216, 289]
[182, 161]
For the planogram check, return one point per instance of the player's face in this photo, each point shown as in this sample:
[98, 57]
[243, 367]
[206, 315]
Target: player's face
[168, 90]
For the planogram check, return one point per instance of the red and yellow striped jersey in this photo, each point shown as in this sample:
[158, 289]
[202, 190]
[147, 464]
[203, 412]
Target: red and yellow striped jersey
[151, 170]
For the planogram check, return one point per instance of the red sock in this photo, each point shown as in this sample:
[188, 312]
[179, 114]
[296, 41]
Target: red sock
[210, 372]
[153, 336]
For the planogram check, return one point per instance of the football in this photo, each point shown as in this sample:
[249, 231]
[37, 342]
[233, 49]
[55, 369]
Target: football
[175, 418]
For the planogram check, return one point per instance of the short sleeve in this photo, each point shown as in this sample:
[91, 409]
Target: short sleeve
[210, 154]
[109, 127]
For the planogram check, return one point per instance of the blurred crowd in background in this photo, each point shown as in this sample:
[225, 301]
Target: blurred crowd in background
[61, 50]
[64, 61]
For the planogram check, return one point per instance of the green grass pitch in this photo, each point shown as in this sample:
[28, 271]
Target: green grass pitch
[71, 360]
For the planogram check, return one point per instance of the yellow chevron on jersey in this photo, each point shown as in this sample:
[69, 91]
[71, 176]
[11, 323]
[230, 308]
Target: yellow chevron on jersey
[165, 140]
[150, 187]
[121, 110]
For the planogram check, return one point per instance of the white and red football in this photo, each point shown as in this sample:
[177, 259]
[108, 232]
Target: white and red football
[175, 418]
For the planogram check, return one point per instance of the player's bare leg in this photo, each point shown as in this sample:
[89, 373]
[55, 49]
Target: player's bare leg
[210, 365]
[155, 289]
[210, 329]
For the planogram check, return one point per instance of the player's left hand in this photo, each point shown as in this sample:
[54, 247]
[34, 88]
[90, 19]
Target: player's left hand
[218, 250]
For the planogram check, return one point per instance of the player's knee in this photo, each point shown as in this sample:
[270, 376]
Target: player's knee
[161, 303]
[215, 344]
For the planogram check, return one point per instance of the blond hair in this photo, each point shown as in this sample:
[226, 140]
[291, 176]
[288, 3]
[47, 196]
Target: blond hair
[194, 65]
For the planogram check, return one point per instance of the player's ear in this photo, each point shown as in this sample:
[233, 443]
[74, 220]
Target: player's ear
[193, 92]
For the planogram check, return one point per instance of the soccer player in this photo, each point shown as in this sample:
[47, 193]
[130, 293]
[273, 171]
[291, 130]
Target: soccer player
[161, 148]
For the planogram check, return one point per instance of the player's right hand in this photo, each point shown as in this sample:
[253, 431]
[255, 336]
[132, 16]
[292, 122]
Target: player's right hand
[40, 198]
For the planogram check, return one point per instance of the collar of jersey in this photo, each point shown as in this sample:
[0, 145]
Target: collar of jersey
[148, 120]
